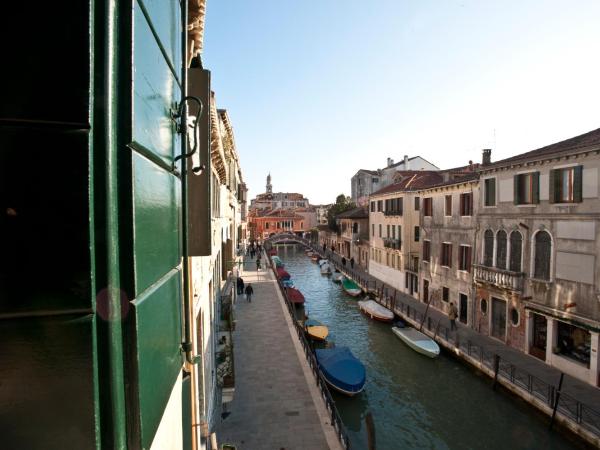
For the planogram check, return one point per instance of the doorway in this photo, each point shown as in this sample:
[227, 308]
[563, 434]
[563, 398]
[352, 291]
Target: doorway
[463, 308]
[538, 343]
[498, 318]
[425, 291]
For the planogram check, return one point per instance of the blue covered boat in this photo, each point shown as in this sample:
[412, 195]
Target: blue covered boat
[341, 369]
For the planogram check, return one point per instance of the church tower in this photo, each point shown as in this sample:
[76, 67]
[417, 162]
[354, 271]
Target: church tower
[269, 187]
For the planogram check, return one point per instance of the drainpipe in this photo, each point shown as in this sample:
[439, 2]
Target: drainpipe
[187, 344]
[474, 256]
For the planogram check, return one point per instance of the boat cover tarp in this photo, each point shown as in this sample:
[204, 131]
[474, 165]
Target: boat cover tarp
[272, 252]
[282, 274]
[350, 284]
[294, 295]
[341, 368]
[287, 283]
[372, 307]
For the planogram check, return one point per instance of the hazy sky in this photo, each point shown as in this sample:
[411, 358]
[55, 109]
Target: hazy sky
[317, 89]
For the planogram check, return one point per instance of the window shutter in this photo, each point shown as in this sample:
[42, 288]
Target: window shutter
[535, 195]
[400, 205]
[554, 181]
[516, 193]
[449, 255]
[468, 265]
[492, 185]
[577, 184]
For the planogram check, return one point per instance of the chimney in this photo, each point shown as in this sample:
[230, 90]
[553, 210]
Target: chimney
[405, 162]
[487, 157]
[470, 166]
[390, 162]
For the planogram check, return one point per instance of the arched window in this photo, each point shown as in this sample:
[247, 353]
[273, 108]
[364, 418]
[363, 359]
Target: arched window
[516, 241]
[355, 227]
[543, 250]
[488, 248]
[501, 249]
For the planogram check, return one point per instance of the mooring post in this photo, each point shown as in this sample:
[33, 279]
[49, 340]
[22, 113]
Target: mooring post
[370, 431]
[556, 399]
[496, 369]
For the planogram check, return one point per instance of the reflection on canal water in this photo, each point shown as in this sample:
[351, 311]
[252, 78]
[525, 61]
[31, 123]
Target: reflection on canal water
[416, 402]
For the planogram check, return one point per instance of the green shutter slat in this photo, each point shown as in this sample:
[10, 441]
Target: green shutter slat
[535, 195]
[577, 184]
[516, 196]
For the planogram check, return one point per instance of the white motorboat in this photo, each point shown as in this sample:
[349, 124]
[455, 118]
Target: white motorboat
[323, 261]
[418, 341]
[325, 269]
[375, 311]
[337, 277]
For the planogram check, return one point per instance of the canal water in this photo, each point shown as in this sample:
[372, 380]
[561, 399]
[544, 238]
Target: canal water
[416, 402]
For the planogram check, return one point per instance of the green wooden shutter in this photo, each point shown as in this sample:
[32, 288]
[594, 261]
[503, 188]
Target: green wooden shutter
[577, 184]
[535, 195]
[554, 180]
[516, 193]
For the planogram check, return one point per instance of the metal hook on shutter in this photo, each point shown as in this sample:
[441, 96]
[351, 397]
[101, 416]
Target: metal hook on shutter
[176, 115]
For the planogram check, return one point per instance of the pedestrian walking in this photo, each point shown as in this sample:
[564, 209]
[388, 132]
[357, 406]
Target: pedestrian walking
[332, 249]
[258, 262]
[452, 315]
[324, 247]
[343, 261]
[352, 262]
[240, 285]
[249, 292]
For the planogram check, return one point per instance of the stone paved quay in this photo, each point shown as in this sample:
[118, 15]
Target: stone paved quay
[576, 389]
[276, 403]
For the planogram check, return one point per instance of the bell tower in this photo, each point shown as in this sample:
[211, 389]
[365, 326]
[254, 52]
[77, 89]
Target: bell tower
[269, 186]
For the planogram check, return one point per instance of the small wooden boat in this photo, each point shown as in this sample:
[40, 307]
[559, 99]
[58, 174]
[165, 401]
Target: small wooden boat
[418, 341]
[322, 261]
[337, 276]
[315, 258]
[282, 274]
[272, 252]
[316, 330]
[287, 283]
[375, 311]
[351, 288]
[325, 269]
[277, 261]
[295, 296]
[341, 369]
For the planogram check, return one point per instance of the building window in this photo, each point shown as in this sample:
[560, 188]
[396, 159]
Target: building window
[490, 192]
[375, 180]
[266, 225]
[565, 185]
[543, 252]
[355, 227]
[514, 317]
[379, 205]
[372, 206]
[373, 229]
[379, 230]
[501, 249]
[515, 251]
[426, 251]
[448, 205]
[417, 203]
[527, 188]
[464, 258]
[488, 248]
[466, 204]
[445, 294]
[574, 342]
[387, 231]
[447, 254]
[417, 234]
[427, 207]
[483, 306]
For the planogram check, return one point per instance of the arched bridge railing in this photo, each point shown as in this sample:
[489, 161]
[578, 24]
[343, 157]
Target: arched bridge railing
[286, 238]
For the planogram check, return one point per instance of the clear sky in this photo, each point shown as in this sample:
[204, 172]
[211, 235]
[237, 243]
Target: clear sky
[317, 89]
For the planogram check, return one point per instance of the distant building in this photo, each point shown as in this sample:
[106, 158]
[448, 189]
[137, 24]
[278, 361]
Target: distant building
[322, 211]
[354, 235]
[270, 200]
[365, 182]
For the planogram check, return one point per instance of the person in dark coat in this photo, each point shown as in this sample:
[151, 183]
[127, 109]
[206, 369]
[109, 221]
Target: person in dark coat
[332, 249]
[343, 261]
[352, 262]
[324, 247]
[240, 285]
[258, 262]
[249, 292]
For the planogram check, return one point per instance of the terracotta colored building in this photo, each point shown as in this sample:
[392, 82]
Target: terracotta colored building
[270, 222]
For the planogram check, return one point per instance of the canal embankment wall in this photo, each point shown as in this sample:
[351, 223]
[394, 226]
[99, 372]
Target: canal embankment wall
[577, 403]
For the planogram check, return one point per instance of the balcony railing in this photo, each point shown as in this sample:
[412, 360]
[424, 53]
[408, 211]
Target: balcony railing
[392, 243]
[394, 212]
[501, 278]
[412, 265]
[360, 237]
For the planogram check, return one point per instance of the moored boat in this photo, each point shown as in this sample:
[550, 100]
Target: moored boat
[337, 276]
[375, 311]
[315, 257]
[282, 274]
[287, 283]
[341, 369]
[295, 296]
[418, 341]
[325, 269]
[316, 330]
[351, 288]
[277, 261]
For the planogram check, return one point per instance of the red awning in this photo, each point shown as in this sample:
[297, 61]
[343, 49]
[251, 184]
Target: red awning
[295, 295]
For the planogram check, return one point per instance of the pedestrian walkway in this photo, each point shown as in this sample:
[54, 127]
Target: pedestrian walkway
[580, 400]
[276, 403]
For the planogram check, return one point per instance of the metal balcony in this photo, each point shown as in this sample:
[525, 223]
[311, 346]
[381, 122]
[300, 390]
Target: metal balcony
[501, 278]
[392, 243]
